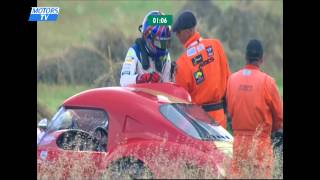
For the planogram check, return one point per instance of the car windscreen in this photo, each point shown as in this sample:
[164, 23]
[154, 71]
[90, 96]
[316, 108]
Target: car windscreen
[77, 118]
[194, 121]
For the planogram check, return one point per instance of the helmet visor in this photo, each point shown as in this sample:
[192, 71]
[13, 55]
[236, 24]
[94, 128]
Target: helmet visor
[162, 44]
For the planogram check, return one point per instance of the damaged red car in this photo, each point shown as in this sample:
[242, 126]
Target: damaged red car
[144, 130]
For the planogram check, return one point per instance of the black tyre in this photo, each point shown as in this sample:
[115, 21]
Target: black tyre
[128, 168]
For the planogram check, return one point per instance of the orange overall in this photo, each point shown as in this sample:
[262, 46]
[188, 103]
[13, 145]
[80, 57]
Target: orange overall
[203, 71]
[256, 109]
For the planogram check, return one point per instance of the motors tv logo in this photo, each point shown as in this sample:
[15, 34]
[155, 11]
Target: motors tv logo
[44, 14]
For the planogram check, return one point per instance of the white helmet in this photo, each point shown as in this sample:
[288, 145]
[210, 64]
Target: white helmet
[43, 123]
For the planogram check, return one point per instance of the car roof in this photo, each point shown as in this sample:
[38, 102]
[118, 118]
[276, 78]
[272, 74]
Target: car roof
[160, 92]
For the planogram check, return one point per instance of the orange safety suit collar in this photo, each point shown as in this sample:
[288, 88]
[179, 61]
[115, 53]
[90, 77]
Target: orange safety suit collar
[251, 66]
[193, 38]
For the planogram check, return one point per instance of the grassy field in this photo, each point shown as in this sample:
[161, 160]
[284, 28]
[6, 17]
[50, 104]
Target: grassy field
[79, 21]
[54, 95]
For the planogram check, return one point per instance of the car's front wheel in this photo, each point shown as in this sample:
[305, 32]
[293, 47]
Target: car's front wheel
[128, 168]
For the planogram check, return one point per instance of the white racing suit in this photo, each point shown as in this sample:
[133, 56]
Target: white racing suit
[132, 67]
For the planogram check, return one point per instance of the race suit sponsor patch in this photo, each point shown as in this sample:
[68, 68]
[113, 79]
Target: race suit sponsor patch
[209, 51]
[129, 60]
[192, 51]
[199, 76]
[206, 62]
[125, 72]
[126, 66]
[198, 59]
[130, 53]
[200, 47]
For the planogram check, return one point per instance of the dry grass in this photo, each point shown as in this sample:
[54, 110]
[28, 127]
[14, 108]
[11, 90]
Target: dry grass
[82, 166]
[43, 111]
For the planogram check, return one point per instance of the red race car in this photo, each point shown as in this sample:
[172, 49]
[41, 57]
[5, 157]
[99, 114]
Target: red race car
[144, 130]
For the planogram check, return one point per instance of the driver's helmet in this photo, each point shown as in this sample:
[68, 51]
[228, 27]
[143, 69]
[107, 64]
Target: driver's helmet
[156, 37]
[67, 121]
[43, 123]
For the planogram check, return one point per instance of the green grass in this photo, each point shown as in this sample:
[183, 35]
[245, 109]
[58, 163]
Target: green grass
[281, 89]
[223, 4]
[280, 85]
[274, 7]
[54, 95]
[79, 21]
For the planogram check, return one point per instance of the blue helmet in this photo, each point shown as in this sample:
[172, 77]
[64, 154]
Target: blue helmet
[156, 37]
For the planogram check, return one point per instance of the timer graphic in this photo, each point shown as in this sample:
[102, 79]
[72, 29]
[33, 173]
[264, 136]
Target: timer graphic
[164, 20]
